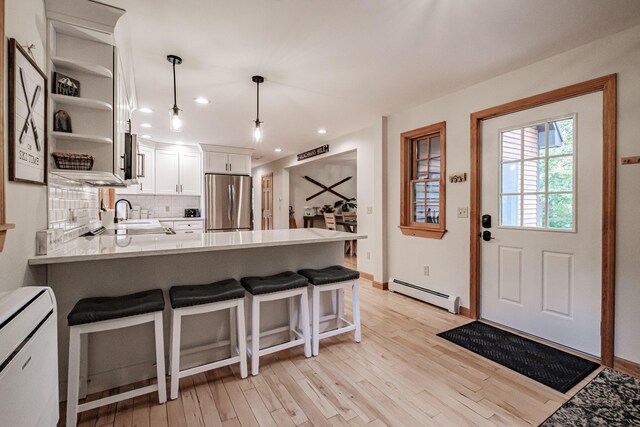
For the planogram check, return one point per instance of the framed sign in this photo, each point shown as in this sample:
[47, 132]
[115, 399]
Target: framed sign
[28, 160]
[315, 152]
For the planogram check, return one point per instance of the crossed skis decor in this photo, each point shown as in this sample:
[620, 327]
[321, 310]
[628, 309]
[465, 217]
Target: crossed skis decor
[28, 159]
[325, 188]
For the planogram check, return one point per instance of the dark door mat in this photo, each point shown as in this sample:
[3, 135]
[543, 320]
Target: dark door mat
[547, 365]
[610, 399]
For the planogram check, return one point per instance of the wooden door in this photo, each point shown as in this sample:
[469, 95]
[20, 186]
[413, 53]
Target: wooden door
[267, 202]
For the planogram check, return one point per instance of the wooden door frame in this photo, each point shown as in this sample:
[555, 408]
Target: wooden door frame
[608, 86]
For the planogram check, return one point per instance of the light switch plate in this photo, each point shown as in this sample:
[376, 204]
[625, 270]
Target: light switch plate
[369, 210]
[463, 212]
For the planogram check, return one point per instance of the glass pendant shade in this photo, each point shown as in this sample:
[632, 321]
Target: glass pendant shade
[257, 132]
[175, 116]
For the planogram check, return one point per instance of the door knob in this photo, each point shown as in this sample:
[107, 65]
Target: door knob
[486, 236]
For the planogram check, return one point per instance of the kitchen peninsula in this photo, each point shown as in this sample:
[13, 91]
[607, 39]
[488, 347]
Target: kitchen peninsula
[123, 264]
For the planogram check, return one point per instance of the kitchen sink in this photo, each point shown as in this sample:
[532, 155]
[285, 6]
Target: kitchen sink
[137, 231]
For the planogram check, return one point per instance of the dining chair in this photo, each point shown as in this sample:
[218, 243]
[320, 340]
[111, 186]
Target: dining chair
[350, 216]
[330, 221]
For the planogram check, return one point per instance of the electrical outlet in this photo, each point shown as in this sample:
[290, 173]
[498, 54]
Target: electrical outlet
[369, 210]
[167, 208]
[368, 255]
[425, 270]
[463, 212]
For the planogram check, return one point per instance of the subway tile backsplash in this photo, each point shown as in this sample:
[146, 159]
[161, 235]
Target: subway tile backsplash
[73, 207]
[157, 205]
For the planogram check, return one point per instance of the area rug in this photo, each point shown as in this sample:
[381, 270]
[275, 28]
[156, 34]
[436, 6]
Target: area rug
[610, 399]
[552, 367]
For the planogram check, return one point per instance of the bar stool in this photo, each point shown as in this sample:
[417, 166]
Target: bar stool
[336, 278]
[281, 286]
[199, 299]
[104, 314]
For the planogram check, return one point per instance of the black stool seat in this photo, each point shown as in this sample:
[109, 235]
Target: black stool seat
[97, 309]
[333, 274]
[276, 283]
[189, 295]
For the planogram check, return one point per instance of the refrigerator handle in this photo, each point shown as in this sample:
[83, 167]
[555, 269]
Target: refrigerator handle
[233, 198]
[229, 205]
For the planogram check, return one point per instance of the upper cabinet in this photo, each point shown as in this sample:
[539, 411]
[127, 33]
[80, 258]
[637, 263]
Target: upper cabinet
[178, 172]
[227, 163]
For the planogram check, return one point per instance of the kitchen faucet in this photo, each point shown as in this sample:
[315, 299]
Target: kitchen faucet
[116, 219]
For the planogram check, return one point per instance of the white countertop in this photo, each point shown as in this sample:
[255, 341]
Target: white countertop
[114, 247]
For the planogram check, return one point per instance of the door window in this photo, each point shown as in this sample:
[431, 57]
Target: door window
[537, 176]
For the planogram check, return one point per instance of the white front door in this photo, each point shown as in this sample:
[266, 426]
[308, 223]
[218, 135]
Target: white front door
[542, 187]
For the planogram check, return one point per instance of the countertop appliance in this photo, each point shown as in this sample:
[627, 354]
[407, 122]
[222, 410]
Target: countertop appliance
[228, 202]
[28, 357]
[192, 213]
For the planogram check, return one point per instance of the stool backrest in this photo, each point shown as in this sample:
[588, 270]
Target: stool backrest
[330, 221]
[349, 216]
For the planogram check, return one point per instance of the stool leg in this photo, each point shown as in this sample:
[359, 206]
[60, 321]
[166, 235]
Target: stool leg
[355, 302]
[292, 322]
[175, 353]
[315, 336]
[242, 339]
[304, 311]
[73, 377]
[233, 333]
[340, 302]
[160, 372]
[255, 334]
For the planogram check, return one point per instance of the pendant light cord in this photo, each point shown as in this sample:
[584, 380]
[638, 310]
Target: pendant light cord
[175, 96]
[257, 103]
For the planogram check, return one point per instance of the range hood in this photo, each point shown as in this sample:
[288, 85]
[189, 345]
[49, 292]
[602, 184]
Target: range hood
[92, 178]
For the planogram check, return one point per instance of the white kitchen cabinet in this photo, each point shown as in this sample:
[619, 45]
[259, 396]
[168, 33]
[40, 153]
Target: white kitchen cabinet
[167, 172]
[216, 162]
[190, 173]
[230, 163]
[239, 164]
[146, 170]
[178, 172]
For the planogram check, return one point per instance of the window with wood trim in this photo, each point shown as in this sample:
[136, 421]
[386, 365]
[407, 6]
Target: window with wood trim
[422, 204]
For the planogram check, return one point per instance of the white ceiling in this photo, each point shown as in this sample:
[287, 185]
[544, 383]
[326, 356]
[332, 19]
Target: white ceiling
[335, 64]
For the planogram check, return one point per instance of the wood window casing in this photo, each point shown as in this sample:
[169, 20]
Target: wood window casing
[408, 168]
[3, 225]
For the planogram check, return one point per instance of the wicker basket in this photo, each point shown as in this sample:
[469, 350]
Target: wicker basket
[81, 162]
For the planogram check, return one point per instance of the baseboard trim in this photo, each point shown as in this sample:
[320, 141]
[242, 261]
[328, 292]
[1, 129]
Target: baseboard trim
[464, 311]
[627, 366]
[380, 285]
[366, 276]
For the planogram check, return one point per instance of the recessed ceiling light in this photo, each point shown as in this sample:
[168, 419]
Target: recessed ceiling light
[278, 150]
[146, 137]
[322, 131]
[202, 100]
[145, 125]
[145, 110]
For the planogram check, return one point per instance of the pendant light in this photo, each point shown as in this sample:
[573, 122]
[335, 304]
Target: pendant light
[257, 130]
[175, 122]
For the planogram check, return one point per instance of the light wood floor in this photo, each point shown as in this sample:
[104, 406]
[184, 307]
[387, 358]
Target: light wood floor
[401, 374]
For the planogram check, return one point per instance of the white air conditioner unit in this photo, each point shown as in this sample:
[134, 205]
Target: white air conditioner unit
[423, 294]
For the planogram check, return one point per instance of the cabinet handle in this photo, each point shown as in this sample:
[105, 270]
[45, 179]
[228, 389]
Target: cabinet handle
[177, 188]
[140, 186]
[141, 162]
[226, 167]
[230, 167]
[181, 188]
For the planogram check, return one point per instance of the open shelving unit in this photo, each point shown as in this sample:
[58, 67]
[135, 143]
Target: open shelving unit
[80, 137]
[75, 101]
[82, 67]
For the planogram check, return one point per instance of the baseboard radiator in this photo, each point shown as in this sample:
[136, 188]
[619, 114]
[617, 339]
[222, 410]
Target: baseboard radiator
[430, 296]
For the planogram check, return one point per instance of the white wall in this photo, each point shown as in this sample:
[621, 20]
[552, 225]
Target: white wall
[365, 141]
[325, 172]
[26, 203]
[449, 258]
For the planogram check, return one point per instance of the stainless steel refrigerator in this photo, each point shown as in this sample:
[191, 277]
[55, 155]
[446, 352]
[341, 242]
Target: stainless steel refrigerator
[228, 202]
